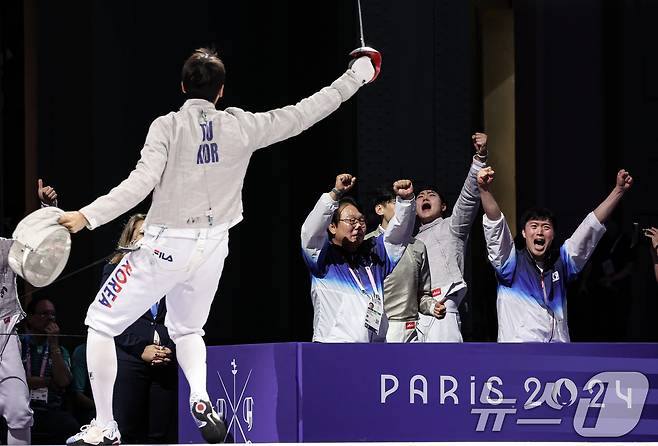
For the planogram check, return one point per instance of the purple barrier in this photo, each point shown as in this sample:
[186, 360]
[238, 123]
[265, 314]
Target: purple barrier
[432, 392]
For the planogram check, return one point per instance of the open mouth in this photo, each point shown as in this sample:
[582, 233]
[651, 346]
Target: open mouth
[426, 206]
[539, 243]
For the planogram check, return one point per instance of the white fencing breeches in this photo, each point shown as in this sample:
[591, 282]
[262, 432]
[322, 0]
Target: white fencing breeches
[183, 264]
[401, 331]
[14, 393]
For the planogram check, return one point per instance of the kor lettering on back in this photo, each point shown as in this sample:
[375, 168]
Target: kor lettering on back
[208, 151]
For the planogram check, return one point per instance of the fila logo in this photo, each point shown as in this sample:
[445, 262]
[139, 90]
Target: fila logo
[436, 292]
[556, 276]
[163, 256]
[410, 325]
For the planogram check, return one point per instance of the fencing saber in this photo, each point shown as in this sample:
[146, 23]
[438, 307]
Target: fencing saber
[363, 42]
[374, 55]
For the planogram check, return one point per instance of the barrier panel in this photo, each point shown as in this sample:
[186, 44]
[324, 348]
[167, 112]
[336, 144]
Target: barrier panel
[304, 392]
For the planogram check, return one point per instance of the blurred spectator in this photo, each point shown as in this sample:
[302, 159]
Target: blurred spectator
[145, 391]
[48, 370]
[652, 233]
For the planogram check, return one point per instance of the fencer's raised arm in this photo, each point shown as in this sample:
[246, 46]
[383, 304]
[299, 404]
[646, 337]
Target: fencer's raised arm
[466, 206]
[232, 135]
[399, 229]
[500, 243]
[314, 230]
[264, 129]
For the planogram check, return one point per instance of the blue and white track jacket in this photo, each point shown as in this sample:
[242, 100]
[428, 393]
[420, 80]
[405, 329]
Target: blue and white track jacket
[339, 306]
[528, 311]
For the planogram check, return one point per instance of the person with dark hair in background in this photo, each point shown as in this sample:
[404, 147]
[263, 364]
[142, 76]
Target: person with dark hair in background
[347, 272]
[652, 233]
[445, 238]
[407, 289]
[48, 370]
[14, 391]
[194, 160]
[146, 385]
[532, 282]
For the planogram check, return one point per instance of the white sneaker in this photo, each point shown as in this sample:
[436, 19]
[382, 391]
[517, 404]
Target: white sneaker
[93, 434]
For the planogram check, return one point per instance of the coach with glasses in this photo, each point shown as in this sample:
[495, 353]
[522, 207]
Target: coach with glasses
[347, 272]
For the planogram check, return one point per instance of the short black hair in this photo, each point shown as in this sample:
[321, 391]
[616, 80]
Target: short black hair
[538, 213]
[382, 195]
[203, 74]
[435, 189]
[335, 217]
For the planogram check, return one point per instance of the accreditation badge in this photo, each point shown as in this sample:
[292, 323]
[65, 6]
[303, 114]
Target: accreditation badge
[40, 394]
[374, 313]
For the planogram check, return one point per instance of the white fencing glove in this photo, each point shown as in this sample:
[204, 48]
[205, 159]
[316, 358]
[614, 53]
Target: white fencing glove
[366, 64]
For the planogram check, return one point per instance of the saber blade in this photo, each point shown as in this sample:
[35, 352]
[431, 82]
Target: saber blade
[363, 43]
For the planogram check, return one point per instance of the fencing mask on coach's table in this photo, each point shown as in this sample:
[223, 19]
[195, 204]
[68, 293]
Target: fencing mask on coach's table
[41, 247]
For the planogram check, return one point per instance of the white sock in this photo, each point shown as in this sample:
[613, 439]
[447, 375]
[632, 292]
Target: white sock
[191, 356]
[102, 367]
[19, 436]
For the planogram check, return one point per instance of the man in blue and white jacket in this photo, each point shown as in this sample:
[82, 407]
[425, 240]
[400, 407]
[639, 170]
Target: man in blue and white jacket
[532, 282]
[347, 273]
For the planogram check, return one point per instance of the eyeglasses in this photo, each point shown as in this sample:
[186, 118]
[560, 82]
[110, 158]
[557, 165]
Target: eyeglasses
[353, 221]
[46, 314]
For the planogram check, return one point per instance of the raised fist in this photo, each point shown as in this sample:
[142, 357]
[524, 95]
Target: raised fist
[403, 189]
[485, 177]
[345, 182]
[624, 180]
[480, 143]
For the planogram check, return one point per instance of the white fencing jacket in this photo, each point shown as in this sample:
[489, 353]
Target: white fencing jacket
[194, 160]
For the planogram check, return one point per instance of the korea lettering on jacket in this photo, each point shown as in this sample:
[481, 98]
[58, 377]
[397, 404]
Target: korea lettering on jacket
[114, 284]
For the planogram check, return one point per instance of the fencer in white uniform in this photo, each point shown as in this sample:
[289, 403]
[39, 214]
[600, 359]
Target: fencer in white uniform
[194, 160]
[445, 240]
[14, 392]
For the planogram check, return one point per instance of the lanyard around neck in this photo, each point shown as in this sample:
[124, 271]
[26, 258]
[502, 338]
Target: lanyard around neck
[44, 361]
[360, 284]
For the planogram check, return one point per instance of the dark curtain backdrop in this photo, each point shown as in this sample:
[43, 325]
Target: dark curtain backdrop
[586, 98]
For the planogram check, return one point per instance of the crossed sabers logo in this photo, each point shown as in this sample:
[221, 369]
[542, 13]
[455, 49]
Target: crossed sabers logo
[234, 406]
